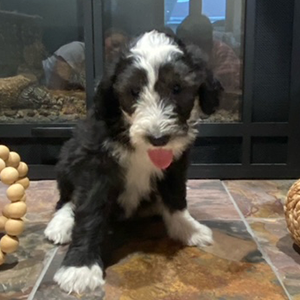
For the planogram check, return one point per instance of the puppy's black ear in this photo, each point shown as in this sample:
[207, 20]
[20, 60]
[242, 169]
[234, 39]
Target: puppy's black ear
[210, 88]
[209, 93]
[106, 105]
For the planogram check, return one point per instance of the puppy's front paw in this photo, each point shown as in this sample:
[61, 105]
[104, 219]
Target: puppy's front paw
[79, 279]
[183, 227]
[201, 236]
[59, 229]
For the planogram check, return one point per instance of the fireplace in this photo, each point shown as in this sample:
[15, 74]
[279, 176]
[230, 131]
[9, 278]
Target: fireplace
[53, 53]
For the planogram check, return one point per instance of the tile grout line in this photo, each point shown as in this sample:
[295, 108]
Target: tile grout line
[270, 219]
[265, 255]
[40, 278]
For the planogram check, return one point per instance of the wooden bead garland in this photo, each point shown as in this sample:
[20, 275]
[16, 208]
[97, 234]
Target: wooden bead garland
[13, 172]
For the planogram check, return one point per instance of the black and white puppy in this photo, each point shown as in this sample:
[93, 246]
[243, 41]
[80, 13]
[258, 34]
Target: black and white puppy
[133, 147]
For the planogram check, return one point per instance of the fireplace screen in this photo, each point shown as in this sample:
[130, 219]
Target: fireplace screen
[42, 62]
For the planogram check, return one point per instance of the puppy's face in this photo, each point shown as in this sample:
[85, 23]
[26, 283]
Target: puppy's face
[157, 86]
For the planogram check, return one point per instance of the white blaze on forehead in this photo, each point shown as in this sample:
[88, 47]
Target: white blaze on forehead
[152, 50]
[154, 46]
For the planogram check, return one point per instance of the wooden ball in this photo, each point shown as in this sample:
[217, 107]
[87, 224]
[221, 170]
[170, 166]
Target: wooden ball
[13, 159]
[2, 257]
[9, 175]
[3, 220]
[24, 182]
[14, 227]
[17, 210]
[4, 152]
[15, 192]
[2, 164]
[5, 211]
[22, 169]
[9, 244]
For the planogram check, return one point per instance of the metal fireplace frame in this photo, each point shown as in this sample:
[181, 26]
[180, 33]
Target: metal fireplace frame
[246, 129]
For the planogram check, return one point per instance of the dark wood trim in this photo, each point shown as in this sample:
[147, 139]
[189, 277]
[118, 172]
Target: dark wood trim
[205, 130]
[294, 120]
[229, 171]
[41, 172]
[98, 40]
[248, 66]
[205, 171]
[195, 6]
[89, 50]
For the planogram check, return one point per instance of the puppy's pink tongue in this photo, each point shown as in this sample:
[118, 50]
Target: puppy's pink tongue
[161, 158]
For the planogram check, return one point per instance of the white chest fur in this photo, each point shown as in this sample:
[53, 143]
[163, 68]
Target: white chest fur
[139, 172]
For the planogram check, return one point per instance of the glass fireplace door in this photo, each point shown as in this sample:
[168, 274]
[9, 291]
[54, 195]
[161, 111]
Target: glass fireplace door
[42, 62]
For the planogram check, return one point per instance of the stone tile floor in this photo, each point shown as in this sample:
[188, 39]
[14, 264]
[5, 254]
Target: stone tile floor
[253, 256]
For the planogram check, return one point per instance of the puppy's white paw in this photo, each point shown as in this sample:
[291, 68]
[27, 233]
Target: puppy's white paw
[202, 236]
[79, 279]
[183, 227]
[59, 229]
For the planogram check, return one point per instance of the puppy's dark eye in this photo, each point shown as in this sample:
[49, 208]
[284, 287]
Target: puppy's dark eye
[135, 92]
[176, 89]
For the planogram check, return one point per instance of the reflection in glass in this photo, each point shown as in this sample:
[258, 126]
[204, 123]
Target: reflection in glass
[114, 40]
[42, 62]
[217, 30]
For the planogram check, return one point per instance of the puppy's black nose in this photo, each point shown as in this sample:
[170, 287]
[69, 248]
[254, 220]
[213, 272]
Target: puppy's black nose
[158, 141]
